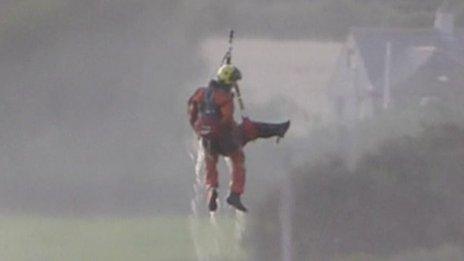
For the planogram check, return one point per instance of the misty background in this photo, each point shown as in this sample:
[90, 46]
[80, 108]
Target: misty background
[93, 113]
[93, 98]
[93, 92]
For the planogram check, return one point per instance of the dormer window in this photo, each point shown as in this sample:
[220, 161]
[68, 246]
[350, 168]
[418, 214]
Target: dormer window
[425, 48]
[443, 78]
[445, 18]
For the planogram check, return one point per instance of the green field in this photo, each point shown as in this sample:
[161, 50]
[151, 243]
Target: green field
[135, 239]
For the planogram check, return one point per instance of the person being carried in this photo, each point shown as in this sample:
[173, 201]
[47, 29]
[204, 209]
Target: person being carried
[211, 115]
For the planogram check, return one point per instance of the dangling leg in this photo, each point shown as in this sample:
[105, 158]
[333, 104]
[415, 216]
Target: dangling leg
[238, 180]
[212, 181]
[252, 130]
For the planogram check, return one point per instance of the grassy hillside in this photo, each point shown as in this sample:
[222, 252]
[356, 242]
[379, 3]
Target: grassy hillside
[105, 239]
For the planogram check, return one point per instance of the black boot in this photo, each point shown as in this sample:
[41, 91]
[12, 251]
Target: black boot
[212, 200]
[234, 200]
[267, 130]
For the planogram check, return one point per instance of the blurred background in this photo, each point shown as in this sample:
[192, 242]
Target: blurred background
[95, 143]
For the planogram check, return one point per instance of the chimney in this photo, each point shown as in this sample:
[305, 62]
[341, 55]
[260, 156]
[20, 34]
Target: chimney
[444, 19]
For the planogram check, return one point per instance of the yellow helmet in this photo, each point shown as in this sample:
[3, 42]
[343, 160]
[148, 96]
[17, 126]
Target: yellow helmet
[228, 74]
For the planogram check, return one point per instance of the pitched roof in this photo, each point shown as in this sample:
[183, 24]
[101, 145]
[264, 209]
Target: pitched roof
[440, 79]
[411, 48]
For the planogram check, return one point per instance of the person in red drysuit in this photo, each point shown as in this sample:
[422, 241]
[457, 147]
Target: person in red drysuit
[211, 115]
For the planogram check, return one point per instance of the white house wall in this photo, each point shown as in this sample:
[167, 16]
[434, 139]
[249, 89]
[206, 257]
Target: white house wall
[351, 87]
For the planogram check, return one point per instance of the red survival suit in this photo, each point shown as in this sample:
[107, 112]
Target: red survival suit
[232, 136]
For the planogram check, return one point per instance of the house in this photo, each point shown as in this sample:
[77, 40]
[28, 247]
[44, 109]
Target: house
[381, 68]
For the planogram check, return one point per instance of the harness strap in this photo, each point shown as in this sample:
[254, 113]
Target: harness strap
[210, 108]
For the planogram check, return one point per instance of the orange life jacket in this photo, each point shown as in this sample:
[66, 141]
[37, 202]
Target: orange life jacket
[211, 111]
